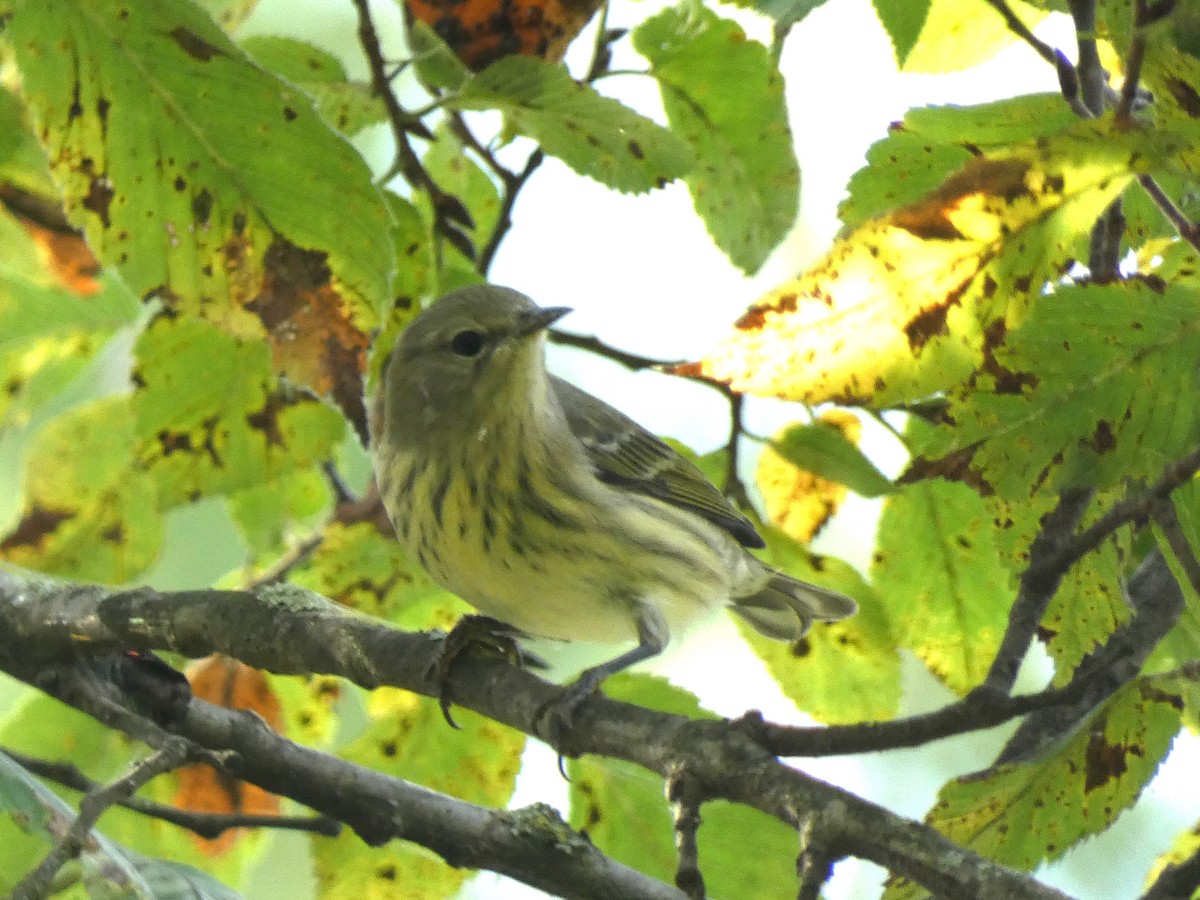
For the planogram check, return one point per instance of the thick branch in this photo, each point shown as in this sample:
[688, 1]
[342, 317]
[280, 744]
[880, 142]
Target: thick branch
[287, 630]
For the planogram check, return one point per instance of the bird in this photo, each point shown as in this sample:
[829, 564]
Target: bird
[549, 510]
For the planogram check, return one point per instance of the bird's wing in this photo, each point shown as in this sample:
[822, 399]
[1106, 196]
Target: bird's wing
[625, 454]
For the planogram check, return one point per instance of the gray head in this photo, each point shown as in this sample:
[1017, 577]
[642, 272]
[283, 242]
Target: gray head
[471, 352]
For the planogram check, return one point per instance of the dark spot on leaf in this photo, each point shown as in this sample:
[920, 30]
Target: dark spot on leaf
[954, 466]
[1104, 762]
[102, 107]
[1103, 438]
[387, 872]
[1154, 695]
[266, 420]
[1022, 284]
[202, 205]
[37, 525]
[114, 534]
[989, 287]
[636, 149]
[388, 748]
[174, 442]
[801, 648]
[1054, 184]
[752, 319]
[180, 183]
[193, 45]
[75, 110]
[99, 198]
[289, 114]
[239, 223]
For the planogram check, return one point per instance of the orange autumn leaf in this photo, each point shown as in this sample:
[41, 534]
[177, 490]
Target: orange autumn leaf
[314, 338]
[64, 251]
[227, 682]
[482, 31]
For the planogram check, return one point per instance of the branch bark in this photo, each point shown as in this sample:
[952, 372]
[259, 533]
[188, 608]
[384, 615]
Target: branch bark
[288, 630]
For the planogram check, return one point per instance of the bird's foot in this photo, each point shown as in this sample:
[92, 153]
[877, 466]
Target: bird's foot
[493, 637]
[555, 719]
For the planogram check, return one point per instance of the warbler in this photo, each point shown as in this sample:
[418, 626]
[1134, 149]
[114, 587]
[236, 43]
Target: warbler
[546, 508]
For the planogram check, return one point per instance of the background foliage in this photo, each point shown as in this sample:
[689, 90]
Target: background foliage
[1014, 292]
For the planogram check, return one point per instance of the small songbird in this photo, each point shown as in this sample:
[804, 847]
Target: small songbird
[547, 509]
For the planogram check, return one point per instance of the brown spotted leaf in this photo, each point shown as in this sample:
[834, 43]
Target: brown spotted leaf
[904, 305]
[483, 31]
[1021, 814]
[595, 135]
[89, 513]
[207, 181]
[212, 418]
[1064, 399]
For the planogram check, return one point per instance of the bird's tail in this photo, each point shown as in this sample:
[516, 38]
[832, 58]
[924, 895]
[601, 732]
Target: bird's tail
[785, 607]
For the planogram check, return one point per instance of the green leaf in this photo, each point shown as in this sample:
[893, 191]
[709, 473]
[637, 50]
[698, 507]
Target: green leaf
[266, 514]
[361, 567]
[349, 106]
[234, 428]
[1063, 400]
[840, 672]
[903, 20]
[594, 135]
[407, 737]
[437, 65]
[940, 577]
[181, 158]
[785, 12]
[1090, 603]
[921, 151]
[724, 95]
[1021, 814]
[622, 808]
[22, 162]
[88, 514]
[106, 872]
[826, 451]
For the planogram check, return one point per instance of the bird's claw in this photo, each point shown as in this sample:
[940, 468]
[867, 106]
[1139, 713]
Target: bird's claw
[493, 636]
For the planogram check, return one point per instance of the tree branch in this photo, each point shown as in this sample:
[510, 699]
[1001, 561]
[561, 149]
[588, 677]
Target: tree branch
[205, 825]
[288, 630]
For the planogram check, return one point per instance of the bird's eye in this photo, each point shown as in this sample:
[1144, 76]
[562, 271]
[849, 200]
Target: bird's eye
[467, 343]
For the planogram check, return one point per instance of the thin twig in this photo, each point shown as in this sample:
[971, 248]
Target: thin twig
[512, 188]
[1038, 586]
[448, 209]
[814, 863]
[1130, 509]
[979, 710]
[1092, 79]
[1166, 519]
[1021, 30]
[685, 798]
[206, 825]
[732, 485]
[284, 566]
[1133, 64]
[173, 753]
[1188, 230]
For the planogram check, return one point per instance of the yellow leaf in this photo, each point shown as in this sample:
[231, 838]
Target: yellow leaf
[797, 501]
[908, 303]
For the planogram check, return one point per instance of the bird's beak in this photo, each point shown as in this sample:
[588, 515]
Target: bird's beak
[539, 320]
